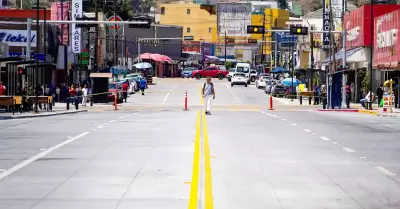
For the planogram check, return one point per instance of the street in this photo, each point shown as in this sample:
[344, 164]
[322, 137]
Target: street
[144, 155]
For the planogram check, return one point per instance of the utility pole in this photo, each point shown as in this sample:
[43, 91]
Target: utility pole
[65, 47]
[37, 58]
[28, 46]
[225, 45]
[96, 42]
[344, 64]
[312, 61]
[371, 53]
[263, 40]
[115, 52]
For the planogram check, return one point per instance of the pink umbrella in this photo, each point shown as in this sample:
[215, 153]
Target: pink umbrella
[160, 58]
[145, 56]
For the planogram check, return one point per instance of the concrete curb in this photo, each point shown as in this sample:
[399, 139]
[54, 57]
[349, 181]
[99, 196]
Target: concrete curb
[371, 112]
[41, 115]
[338, 110]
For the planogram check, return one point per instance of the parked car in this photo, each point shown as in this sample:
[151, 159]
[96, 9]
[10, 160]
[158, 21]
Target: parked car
[262, 80]
[253, 75]
[113, 89]
[187, 72]
[215, 71]
[239, 79]
[132, 84]
[269, 85]
[279, 89]
[230, 74]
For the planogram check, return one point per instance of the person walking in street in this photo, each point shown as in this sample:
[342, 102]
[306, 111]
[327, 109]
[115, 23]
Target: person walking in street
[348, 95]
[208, 93]
[84, 95]
[125, 88]
[379, 93]
[143, 84]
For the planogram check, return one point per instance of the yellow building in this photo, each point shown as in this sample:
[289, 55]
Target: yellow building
[196, 22]
[274, 18]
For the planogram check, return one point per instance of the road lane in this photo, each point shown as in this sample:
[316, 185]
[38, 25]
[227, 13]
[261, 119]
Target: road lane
[252, 158]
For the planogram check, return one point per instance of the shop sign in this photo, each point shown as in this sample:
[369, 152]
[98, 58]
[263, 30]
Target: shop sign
[17, 37]
[326, 24]
[76, 32]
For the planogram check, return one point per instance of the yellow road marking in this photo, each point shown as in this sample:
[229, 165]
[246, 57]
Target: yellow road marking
[194, 188]
[208, 200]
[187, 182]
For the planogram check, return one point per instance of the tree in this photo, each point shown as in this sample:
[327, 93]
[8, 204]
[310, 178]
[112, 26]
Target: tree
[27, 4]
[282, 4]
[122, 9]
[146, 5]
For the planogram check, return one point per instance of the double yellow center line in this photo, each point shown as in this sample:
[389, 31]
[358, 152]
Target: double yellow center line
[201, 122]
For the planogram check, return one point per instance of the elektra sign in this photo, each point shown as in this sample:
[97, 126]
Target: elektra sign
[17, 37]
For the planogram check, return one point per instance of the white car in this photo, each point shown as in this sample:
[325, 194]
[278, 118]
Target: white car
[230, 74]
[239, 79]
[262, 80]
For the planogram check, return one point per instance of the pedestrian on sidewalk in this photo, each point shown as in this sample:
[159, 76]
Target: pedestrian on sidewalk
[143, 84]
[379, 93]
[84, 95]
[2, 89]
[208, 95]
[125, 88]
[366, 99]
[348, 95]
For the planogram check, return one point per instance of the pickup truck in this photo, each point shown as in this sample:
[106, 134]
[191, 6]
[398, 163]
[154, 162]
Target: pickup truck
[216, 71]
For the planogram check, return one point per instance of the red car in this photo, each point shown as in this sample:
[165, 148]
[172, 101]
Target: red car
[113, 88]
[215, 71]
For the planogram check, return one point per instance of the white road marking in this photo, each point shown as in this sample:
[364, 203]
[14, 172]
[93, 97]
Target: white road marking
[42, 149]
[314, 133]
[325, 138]
[306, 130]
[348, 149]
[121, 117]
[227, 86]
[69, 137]
[334, 142]
[3, 170]
[363, 157]
[283, 119]
[112, 121]
[230, 91]
[293, 124]
[40, 155]
[99, 127]
[384, 171]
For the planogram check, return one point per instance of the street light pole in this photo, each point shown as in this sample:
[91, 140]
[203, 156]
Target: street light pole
[344, 63]
[37, 59]
[371, 52]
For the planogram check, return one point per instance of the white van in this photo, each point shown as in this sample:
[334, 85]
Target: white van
[243, 68]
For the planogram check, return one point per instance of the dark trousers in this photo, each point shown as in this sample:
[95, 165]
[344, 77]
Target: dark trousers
[125, 94]
[142, 89]
[348, 98]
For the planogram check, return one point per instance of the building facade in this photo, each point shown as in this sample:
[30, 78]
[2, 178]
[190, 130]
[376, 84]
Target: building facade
[197, 23]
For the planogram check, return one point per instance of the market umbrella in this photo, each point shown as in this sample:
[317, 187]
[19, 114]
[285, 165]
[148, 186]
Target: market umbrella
[288, 82]
[279, 70]
[145, 56]
[142, 65]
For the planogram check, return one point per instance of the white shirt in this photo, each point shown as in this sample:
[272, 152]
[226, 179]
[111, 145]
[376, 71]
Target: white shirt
[84, 91]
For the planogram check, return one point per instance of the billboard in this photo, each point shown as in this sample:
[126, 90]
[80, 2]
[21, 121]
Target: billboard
[285, 37]
[233, 18]
[76, 32]
[60, 11]
[386, 41]
[17, 37]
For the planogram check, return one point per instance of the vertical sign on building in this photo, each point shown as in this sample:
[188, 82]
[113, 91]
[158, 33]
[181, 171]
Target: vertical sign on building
[326, 24]
[56, 15]
[233, 18]
[76, 32]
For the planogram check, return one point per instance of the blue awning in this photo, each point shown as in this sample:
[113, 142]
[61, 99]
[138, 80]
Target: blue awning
[339, 55]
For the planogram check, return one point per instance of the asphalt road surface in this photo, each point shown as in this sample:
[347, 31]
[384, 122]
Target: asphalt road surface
[150, 154]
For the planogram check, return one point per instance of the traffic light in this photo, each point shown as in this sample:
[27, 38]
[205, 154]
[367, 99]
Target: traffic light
[255, 29]
[21, 71]
[251, 41]
[298, 30]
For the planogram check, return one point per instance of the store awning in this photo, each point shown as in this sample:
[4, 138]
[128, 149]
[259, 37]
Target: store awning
[339, 56]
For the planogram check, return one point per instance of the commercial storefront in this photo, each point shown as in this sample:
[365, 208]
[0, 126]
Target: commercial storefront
[387, 45]
[358, 28]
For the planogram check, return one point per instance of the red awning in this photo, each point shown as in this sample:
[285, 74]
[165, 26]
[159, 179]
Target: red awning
[160, 58]
[145, 56]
